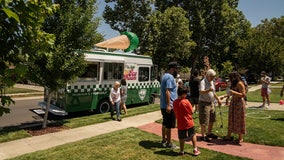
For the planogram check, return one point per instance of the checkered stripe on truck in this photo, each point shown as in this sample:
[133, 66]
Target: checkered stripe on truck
[107, 87]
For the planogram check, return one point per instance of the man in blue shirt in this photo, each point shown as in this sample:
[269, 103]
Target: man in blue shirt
[168, 95]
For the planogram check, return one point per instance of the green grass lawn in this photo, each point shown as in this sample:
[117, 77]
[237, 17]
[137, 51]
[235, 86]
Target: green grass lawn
[19, 90]
[130, 143]
[263, 127]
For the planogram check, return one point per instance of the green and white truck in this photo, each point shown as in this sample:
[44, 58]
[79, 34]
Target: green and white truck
[91, 90]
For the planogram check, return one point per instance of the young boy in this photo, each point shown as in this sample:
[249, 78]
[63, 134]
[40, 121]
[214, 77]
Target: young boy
[183, 111]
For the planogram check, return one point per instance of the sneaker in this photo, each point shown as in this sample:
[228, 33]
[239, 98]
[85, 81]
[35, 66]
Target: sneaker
[267, 107]
[213, 136]
[119, 119]
[196, 152]
[164, 143]
[172, 146]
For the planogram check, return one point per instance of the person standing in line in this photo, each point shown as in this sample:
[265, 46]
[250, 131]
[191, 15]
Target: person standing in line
[180, 83]
[114, 98]
[194, 90]
[236, 117]
[183, 111]
[123, 94]
[207, 95]
[265, 90]
[168, 95]
[178, 79]
[186, 84]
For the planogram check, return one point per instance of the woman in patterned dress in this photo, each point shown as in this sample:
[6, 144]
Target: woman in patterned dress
[236, 120]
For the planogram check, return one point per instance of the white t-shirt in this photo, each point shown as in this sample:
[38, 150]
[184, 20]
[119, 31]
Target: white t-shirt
[114, 95]
[205, 85]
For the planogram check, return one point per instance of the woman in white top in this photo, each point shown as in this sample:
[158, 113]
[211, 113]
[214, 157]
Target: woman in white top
[114, 98]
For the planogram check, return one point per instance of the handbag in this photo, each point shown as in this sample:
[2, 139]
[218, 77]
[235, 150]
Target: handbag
[268, 90]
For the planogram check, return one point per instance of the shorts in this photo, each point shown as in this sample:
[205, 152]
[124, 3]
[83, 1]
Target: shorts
[123, 99]
[264, 92]
[206, 113]
[189, 133]
[194, 100]
[169, 119]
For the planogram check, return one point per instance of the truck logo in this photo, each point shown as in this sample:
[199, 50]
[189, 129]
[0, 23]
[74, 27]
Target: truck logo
[129, 73]
[142, 94]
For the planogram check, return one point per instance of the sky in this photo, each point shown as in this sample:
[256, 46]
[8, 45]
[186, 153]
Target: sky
[254, 11]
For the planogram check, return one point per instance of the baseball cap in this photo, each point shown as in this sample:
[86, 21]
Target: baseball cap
[173, 65]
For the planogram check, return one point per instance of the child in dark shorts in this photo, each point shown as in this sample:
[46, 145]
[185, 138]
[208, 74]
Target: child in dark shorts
[183, 111]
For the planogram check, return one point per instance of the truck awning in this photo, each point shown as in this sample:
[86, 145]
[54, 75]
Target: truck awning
[103, 58]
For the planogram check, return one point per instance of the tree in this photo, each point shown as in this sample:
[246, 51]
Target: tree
[75, 28]
[21, 35]
[127, 15]
[228, 68]
[264, 47]
[167, 37]
[216, 25]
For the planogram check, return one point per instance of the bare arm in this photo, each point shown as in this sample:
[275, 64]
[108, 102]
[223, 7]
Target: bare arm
[218, 99]
[242, 89]
[168, 100]
[266, 81]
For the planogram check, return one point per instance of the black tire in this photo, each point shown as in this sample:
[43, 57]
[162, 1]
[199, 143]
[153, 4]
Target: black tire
[104, 106]
[151, 99]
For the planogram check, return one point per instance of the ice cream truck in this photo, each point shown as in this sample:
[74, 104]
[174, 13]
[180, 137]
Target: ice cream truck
[91, 90]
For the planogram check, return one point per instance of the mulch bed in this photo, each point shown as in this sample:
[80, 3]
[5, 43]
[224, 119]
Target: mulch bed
[50, 128]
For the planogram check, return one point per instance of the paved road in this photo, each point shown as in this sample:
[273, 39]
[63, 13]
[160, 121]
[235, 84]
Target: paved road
[21, 113]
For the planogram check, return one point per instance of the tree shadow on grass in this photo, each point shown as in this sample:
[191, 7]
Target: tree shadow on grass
[150, 144]
[158, 146]
[277, 119]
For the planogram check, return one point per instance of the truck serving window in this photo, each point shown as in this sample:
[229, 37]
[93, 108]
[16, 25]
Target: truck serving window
[143, 74]
[154, 72]
[91, 72]
[113, 71]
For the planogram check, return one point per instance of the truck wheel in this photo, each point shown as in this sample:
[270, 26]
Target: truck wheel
[104, 106]
[152, 99]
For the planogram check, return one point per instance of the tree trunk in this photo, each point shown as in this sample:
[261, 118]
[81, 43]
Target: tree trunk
[44, 124]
